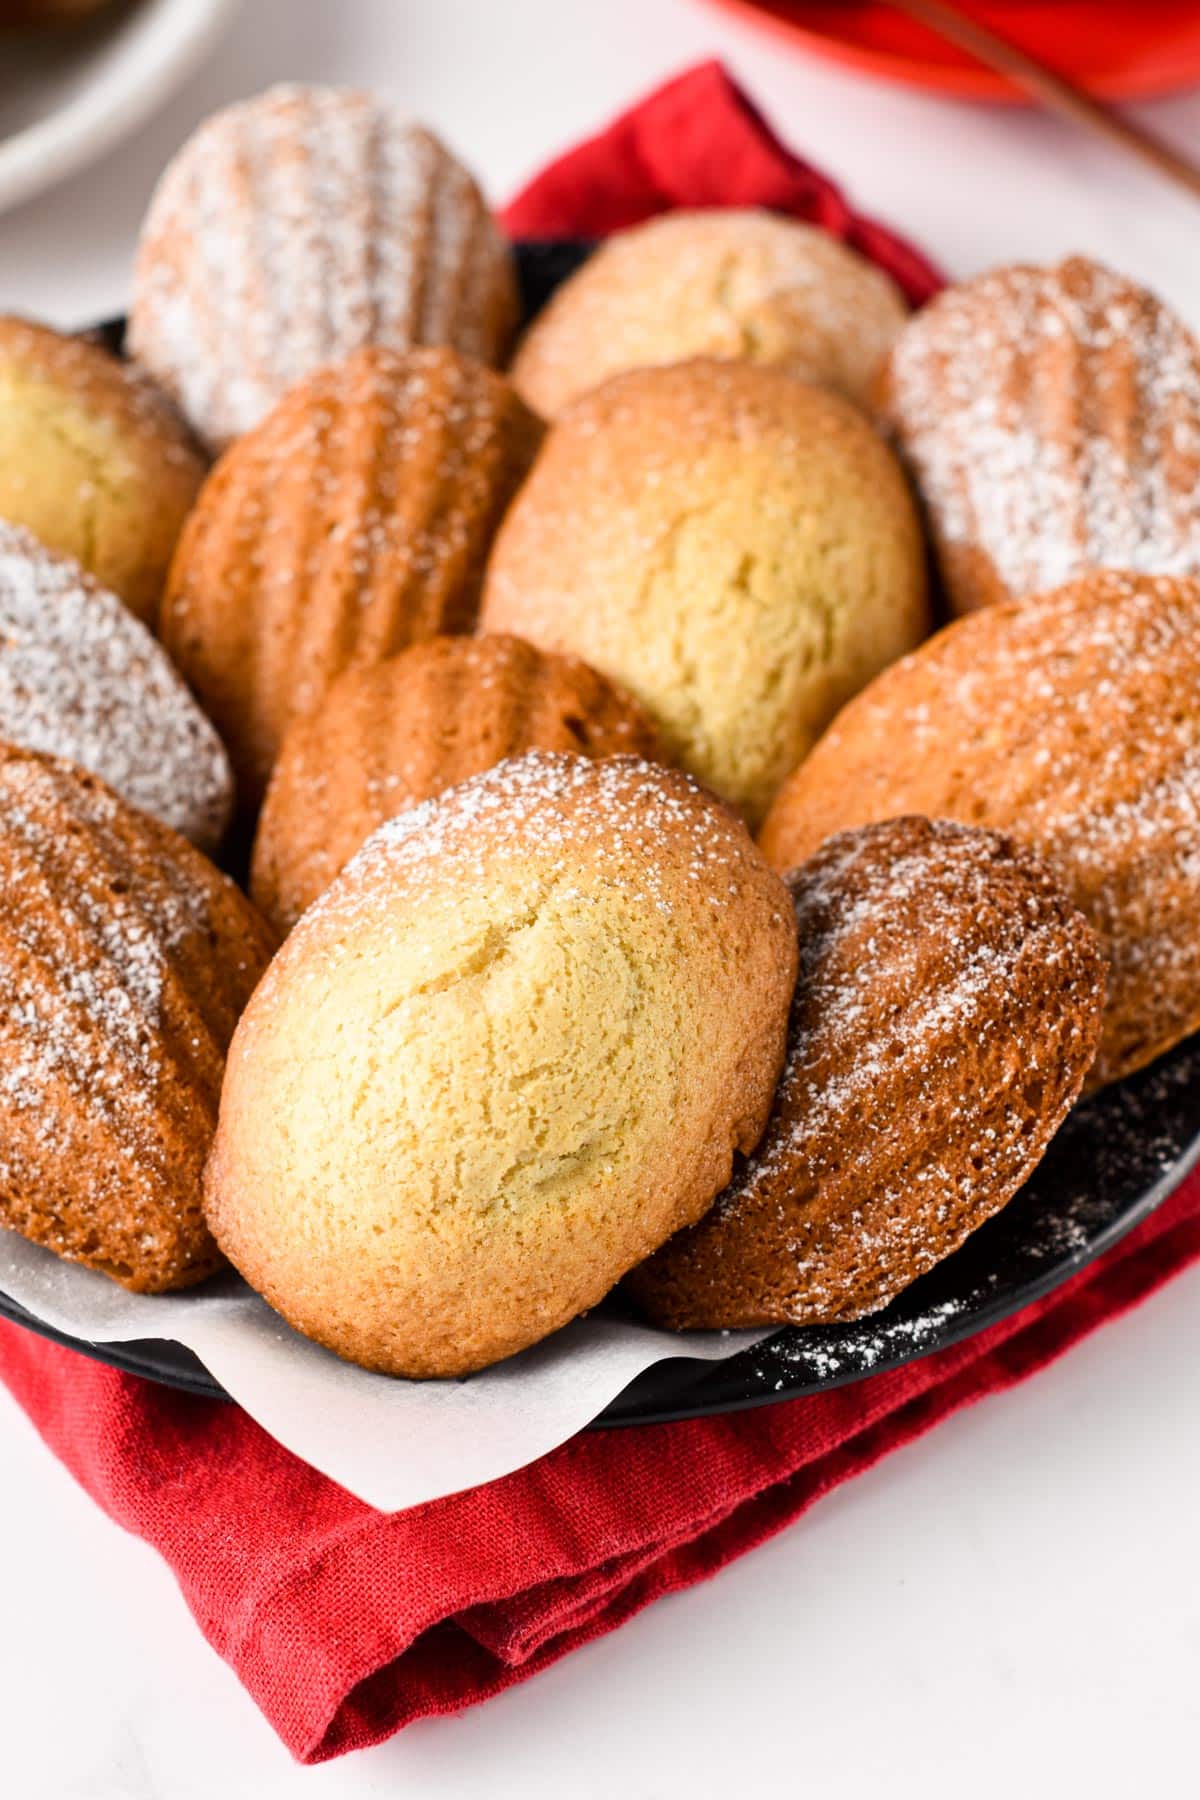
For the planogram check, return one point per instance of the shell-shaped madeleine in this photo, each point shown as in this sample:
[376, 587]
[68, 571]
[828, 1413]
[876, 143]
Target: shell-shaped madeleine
[354, 521]
[388, 737]
[296, 226]
[1051, 419]
[81, 678]
[125, 961]
[511, 1050]
[946, 1010]
[1071, 721]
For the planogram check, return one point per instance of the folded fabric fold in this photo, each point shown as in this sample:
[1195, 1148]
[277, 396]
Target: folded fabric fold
[698, 141]
[346, 1624]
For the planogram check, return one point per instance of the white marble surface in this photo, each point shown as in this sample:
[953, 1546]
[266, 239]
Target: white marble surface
[1013, 1603]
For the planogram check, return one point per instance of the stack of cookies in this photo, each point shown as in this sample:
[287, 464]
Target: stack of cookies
[635, 885]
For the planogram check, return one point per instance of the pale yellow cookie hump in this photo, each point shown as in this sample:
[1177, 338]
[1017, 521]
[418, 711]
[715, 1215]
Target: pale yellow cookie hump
[734, 546]
[93, 460]
[734, 282]
[510, 1051]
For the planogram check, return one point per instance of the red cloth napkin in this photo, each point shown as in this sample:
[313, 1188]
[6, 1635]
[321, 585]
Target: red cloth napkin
[346, 1624]
[698, 141]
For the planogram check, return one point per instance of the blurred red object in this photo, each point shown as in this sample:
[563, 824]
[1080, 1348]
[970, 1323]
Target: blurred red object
[1122, 50]
[697, 141]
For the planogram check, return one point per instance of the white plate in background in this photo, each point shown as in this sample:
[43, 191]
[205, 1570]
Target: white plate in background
[69, 94]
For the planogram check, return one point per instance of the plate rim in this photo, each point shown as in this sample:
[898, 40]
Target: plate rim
[165, 45]
[189, 1375]
[962, 1326]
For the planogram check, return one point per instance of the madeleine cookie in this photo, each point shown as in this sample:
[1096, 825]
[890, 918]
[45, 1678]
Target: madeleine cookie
[93, 460]
[729, 283]
[513, 1048]
[735, 547]
[946, 1011]
[125, 959]
[293, 228]
[1051, 418]
[80, 678]
[1071, 721]
[388, 737]
[353, 521]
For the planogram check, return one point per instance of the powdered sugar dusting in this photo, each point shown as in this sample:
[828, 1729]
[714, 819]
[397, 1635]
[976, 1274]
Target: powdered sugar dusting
[294, 227]
[83, 679]
[547, 803]
[1052, 419]
[946, 1010]
[85, 957]
[1072, 721]
[841, 992]
[1116, 1156]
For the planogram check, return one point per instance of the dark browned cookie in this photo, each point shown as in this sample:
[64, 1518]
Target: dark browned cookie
[125, 962]
[947, 1009]
[1072, 721]
[388, 737]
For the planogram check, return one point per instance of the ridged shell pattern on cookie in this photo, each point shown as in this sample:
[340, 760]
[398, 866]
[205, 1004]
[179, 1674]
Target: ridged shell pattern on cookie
[294, 227]
[125, 961]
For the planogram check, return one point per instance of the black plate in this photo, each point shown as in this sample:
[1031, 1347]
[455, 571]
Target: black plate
[1119, 1154]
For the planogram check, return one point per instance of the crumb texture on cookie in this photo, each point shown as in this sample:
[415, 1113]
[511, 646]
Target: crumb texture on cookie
[353, 521]
[734, 546]
[93, 460]
[513, 1048]
[405, 730]
[125, 960]
[730, 282]
[1072, 722]
[80, 678]
[946, 1011]
[1051, 418]
[294, 227]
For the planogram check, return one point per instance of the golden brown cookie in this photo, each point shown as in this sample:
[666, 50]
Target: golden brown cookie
[93, 460]
[735, 547]
[1071, 721]
[388, 737]
[82, 679]
[731, 282]
[946, 1011]
[1051, 419]
[353, 521]
[296, 226]
[125, 959]
[511, 1050]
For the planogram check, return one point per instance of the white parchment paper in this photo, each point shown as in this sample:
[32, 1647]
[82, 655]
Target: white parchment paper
[393, 1443]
